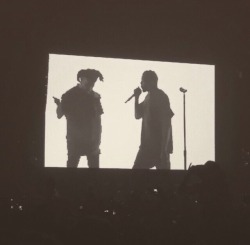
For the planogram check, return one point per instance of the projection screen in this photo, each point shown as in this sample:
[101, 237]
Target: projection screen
[120, 130]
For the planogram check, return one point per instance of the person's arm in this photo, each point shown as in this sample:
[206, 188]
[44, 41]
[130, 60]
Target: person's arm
[166, 135]
[138, 107]
[59, 111]
[165, 114]
[96, 137]
[97, 126]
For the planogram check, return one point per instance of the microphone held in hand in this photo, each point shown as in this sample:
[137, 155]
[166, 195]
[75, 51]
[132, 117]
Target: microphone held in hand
[183, 90]
[137, 92]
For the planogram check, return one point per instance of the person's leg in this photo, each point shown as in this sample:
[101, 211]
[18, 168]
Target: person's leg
[73, 160]
[138, 161]
[93, 160]
[144, 160]
[73, 155]
[164, 163]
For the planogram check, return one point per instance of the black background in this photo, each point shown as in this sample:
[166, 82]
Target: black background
[209, 32]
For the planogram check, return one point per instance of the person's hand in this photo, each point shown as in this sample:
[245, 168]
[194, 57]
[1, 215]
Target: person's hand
[56, 100]
[137, 92]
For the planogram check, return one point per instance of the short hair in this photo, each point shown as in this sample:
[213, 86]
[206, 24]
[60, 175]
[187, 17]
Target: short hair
[151, 76]
[90, 74]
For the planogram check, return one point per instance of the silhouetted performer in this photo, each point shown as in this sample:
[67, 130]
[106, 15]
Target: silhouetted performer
[156, 132]
[82, 109]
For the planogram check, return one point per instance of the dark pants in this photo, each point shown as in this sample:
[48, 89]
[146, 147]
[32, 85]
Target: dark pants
[73, 160]
[75, 151]
[147, 159]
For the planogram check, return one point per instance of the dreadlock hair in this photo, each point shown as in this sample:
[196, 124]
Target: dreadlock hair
[91, 74]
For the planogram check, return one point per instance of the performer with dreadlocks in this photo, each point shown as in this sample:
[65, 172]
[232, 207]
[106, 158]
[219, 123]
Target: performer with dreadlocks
[82, 108]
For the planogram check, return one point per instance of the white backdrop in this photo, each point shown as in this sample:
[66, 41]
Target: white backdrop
[121, 132]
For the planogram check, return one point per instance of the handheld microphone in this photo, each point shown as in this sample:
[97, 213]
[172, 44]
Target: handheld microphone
[183, 90]
[132, 96]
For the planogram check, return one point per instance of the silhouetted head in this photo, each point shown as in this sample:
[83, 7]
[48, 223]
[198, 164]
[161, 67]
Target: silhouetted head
[149, 81]
[87, 78]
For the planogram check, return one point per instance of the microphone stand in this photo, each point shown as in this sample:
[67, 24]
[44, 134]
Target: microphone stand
[184, 125]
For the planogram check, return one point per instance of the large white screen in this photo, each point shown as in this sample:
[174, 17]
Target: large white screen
[121, 131]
